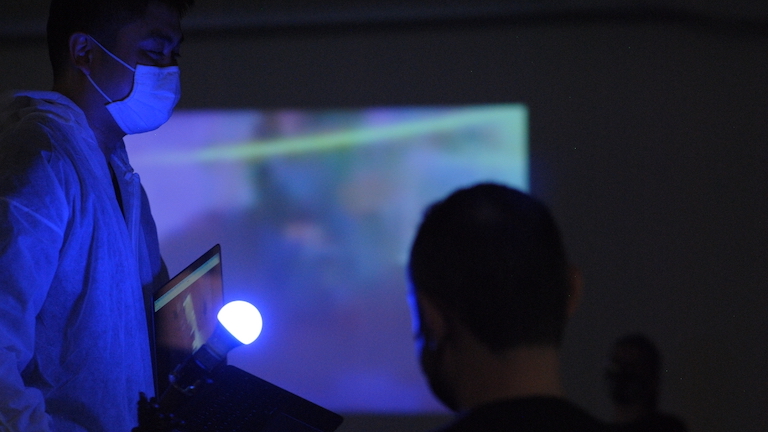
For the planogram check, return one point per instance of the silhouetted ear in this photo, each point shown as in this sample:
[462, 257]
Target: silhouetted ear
[575, 290]
[432, 320]
[81, 51]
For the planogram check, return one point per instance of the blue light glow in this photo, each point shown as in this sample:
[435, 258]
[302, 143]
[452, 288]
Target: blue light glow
[242, 320]
[315, 211]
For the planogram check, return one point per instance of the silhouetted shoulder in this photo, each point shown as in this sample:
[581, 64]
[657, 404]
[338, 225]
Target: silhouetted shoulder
[658, 422]
[534, 414]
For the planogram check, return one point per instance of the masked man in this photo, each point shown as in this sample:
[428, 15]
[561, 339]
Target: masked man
[79, 247]
[491, 291]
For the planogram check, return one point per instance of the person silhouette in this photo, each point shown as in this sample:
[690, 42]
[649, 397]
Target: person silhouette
[490, 291]
[633, 378]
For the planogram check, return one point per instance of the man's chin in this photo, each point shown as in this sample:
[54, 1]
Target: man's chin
[445, 397]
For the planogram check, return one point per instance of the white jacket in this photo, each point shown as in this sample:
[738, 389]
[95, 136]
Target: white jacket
[74, 272]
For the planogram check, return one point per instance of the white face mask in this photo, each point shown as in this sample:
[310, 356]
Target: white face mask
[156, 90]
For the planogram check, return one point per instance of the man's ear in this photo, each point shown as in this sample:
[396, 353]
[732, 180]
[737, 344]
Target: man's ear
[575, 290]
[81, 51]
[432, 320]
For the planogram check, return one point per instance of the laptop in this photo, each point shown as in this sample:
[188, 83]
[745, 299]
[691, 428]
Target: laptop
[184, 317]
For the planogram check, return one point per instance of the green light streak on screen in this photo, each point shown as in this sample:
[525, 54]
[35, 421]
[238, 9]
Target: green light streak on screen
[510, 121]
[186, 282]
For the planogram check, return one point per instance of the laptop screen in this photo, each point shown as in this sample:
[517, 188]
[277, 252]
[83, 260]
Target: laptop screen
[185, 314]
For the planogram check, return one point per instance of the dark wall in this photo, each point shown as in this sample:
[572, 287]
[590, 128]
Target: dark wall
[649, 139]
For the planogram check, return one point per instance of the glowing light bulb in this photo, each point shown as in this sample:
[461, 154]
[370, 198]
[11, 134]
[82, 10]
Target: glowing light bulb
[240, 323]
[242, 320]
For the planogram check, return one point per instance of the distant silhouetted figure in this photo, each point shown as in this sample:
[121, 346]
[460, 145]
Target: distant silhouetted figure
[633, 377]
[491, 291]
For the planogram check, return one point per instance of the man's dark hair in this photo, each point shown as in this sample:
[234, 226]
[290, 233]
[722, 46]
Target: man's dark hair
[99, 18]
[493, 256]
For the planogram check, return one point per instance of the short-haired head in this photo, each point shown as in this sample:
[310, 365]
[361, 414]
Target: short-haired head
[493, 256]
[101, 19]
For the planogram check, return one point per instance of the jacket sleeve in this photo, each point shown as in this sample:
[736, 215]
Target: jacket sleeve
[33, 214]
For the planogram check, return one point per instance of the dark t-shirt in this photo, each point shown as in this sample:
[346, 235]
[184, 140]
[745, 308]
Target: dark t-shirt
[534, 414]
[657, 422]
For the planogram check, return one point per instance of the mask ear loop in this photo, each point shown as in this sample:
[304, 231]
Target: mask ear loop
[112, 55]
[88, 75]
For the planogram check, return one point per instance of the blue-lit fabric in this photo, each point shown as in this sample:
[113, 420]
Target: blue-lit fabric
[74, 351]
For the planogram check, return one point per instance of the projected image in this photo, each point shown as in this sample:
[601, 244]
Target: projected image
[315, 212]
